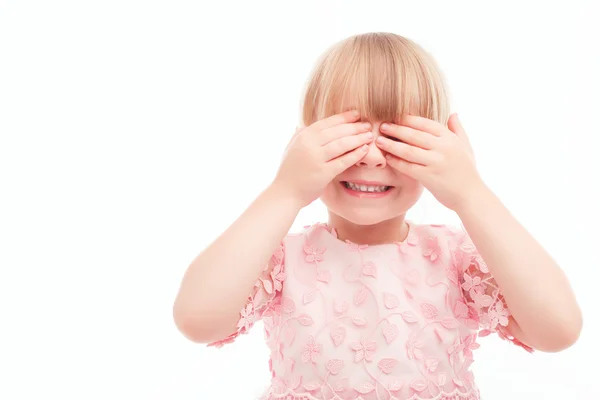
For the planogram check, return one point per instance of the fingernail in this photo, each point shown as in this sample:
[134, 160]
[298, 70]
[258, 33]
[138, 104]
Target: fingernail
[380, 140]
[369, 135]
[384, 126]
[364, 147]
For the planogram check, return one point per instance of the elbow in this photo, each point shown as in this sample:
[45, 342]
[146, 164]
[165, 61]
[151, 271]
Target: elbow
[198, 326]
[563, 337]
[190, 326]
[570, 333]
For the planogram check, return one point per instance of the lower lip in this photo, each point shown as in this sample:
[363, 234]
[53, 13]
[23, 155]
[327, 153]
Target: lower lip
[366, 195]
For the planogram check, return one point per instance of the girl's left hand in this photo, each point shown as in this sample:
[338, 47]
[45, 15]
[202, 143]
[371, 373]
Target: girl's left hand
[439, 157]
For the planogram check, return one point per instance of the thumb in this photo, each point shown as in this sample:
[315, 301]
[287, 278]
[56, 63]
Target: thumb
[456, 127]
[298, 129]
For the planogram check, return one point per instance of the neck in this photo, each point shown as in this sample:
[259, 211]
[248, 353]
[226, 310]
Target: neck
[389, 231]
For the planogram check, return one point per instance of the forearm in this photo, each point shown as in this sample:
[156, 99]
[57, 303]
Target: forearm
[218, 281]
[536, 290]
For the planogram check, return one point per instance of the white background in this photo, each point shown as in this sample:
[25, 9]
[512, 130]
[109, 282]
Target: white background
[133, 132]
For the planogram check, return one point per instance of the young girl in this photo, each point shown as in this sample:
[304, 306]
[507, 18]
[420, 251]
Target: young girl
[370, 305]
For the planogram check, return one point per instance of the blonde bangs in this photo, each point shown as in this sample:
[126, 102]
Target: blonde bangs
[383, 75]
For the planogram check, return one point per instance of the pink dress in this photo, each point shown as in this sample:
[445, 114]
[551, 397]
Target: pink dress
[391, 321]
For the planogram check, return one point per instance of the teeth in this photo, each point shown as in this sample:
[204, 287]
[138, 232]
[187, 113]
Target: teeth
[366, 188]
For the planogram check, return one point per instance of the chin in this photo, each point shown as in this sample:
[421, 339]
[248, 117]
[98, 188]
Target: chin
[364, 217]
[370, 211]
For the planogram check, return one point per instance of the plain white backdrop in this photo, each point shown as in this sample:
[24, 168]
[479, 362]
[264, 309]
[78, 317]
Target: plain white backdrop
[134, 132]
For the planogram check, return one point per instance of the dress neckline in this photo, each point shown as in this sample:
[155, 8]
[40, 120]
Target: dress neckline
[411, 236]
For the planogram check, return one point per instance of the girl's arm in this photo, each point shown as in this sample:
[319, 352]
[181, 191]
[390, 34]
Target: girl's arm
[217, 283]
[545, 313]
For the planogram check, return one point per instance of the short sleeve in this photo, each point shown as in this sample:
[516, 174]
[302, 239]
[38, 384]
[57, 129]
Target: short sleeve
[481, 293]
[263, 297]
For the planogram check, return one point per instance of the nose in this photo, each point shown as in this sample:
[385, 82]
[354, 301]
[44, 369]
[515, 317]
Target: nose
[374, 158]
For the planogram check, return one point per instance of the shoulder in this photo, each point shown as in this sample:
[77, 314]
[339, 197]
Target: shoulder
[314, 235]
[443, 232]
[440, 240]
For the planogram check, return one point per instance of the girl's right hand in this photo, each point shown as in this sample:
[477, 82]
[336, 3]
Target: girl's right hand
[318, 153]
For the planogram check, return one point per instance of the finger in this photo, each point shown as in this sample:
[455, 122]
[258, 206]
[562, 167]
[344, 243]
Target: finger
[294, 136]
[337, 119]
[415, 171]
[423, 124]
[345, 144]
[405, 151]
[455, 126]
[343, 162]
[336, 132]
[408, 135]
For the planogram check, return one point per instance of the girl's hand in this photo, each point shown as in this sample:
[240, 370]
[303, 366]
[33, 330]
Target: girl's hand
[439, 157]
[318, 153]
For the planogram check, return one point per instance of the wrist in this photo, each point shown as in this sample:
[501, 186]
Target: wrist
[277, 192]
[473, 198]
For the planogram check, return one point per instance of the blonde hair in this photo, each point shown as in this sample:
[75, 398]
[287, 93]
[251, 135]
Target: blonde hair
[383, 75]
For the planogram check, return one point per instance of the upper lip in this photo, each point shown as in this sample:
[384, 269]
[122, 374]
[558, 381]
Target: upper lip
[366, 183]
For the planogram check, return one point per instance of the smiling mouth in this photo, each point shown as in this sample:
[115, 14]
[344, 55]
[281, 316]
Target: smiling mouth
[366, 188]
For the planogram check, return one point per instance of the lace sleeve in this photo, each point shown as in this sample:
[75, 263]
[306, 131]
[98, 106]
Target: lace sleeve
[264, 295]
[480, 292]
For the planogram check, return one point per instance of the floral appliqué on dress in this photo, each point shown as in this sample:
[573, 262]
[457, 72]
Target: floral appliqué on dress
[393, 321]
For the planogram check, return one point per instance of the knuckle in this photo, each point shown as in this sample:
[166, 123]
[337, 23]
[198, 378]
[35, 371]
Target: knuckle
[336, 148]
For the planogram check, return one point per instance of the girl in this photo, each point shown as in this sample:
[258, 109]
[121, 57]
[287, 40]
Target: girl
[370, 305]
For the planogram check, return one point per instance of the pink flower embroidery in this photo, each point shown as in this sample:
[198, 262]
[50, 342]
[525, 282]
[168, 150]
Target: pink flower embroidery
[498, 314]
[356, 247]
[247, 317]
[452, 274]
[481, 299]
[413, 347]
[311, 350]
[313, 254]
[278, 276]
[364, 350]
[472, 285]
[402, 247]
[278, 255]
[411, 241]
[469, 345]
[278, 351]
[432, 249]
[455, 350]
[227, 340]
[480, 264]
[334, 366]
[467, 313]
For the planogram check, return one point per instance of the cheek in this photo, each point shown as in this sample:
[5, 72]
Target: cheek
[331, 189]
[406, 181]
[333, 195]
